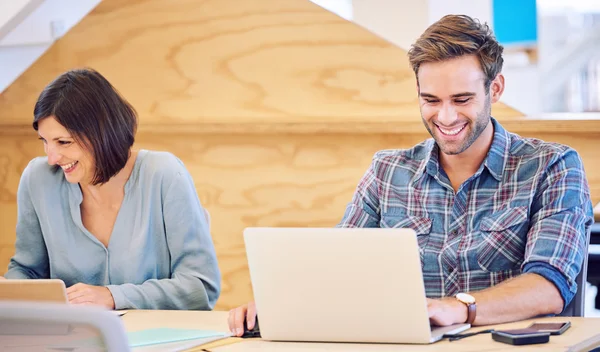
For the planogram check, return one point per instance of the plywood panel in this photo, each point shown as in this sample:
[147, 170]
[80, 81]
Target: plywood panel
[193, 62]
[276, 108]
[243, 181]
[259, 180]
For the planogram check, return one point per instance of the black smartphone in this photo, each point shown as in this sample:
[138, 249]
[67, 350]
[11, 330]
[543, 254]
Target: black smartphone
[519, 337]
[553, 328]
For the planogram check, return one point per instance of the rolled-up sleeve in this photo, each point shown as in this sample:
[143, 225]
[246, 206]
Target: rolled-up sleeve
[561, 217]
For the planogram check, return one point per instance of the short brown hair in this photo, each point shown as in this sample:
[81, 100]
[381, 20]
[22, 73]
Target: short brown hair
[454, 36]
[95, 114]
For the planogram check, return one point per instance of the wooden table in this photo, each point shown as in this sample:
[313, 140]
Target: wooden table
[583, 335]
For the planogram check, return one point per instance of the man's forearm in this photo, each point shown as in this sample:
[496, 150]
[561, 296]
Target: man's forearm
[523, 297]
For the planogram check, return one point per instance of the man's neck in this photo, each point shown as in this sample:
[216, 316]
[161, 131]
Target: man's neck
[466, 164]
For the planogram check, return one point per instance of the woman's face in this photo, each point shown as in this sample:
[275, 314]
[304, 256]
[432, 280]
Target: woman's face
[62, 150]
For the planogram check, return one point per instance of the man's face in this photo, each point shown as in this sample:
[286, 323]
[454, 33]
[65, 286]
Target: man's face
[455, 106]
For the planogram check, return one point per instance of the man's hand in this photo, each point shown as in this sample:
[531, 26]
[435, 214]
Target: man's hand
[90, 295]
[237, 316]
[446, 311]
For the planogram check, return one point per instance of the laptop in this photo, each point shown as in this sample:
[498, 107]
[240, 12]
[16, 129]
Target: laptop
[31, 293]
[38, 290]
[340, 285]
[35, 326]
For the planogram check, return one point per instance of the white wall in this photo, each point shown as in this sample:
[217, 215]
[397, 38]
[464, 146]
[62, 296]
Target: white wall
[402, 21]
[12, 12]
[342, 8]
[33, 34]
[397, 21]
[480, 9]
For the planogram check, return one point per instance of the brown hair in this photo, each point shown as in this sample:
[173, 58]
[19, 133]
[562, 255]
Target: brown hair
[454, 36]
[95, 114]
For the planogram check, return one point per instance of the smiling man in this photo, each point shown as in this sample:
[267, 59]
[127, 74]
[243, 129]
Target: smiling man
[501, 220]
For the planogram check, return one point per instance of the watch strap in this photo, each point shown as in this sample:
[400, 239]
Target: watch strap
[471, 312]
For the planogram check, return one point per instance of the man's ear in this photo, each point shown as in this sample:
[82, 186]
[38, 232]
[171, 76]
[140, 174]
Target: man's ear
[497, 88]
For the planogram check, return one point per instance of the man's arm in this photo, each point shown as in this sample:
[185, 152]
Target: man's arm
[520, 298]
[561, 215]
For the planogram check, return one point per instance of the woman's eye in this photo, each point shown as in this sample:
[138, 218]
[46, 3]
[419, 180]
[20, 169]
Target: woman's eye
[64, 142]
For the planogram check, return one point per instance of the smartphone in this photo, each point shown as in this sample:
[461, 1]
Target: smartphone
[520, 337]
[553, 328]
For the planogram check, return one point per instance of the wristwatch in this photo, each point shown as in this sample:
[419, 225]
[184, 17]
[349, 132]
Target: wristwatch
[469, 301]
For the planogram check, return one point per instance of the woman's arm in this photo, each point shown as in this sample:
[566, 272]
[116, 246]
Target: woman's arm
[31, 256]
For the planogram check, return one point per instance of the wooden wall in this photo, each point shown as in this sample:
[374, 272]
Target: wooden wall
[275, 106]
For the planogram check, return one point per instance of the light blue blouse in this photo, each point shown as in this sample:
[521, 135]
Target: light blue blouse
[160, 254]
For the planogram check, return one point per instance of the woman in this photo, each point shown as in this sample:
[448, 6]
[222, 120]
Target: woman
[122, 228]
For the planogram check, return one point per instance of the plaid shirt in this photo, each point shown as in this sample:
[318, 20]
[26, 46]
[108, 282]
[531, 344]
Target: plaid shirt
[528, 202]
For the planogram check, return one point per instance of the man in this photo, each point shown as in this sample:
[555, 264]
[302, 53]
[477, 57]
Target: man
[501, 220]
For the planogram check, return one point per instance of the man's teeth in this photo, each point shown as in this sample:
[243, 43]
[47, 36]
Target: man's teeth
[452, 132]
[68, 166]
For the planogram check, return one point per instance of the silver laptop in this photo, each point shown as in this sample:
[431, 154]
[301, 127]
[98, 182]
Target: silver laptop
[340, 285]
[35, 326]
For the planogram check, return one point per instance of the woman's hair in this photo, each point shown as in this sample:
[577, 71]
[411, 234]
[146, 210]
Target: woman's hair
[454, 36]
[96, 116]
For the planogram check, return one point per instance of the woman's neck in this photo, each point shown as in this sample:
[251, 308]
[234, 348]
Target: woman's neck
[113, 190]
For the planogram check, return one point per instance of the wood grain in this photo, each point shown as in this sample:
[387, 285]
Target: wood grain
[276, 108]
[255, 180]
[197, 62]
[243, 181]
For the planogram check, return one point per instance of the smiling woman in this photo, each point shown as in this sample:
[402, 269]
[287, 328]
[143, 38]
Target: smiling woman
[82, 106]
[122, 228]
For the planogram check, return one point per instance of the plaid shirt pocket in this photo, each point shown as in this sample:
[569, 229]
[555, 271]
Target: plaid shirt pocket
[504, 236]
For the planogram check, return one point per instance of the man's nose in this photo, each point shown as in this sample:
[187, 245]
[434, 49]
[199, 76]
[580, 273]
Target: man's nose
[447, 115]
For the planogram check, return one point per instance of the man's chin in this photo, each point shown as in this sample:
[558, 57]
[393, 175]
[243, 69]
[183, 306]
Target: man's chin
[451, 152]
[454, 149]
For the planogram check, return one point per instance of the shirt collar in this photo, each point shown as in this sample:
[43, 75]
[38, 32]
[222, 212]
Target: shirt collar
[495, 161]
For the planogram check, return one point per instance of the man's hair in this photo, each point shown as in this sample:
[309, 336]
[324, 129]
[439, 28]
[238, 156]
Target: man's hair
[454, 36]
[95, 115]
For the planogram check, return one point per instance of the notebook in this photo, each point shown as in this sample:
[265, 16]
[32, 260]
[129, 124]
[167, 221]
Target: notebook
[160, 339]
[167, 335]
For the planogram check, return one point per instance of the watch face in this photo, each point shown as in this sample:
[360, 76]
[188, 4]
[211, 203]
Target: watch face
[466, 298]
